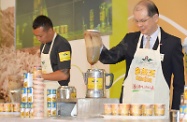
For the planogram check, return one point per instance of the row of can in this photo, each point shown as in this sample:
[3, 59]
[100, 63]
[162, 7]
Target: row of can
[9, 107]
[51, 103]
[27, 95]
[30, 110]
[134, 109]
[26, 110]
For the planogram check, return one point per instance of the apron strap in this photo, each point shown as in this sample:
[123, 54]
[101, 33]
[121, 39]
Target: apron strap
[140, 38]
[51, 44]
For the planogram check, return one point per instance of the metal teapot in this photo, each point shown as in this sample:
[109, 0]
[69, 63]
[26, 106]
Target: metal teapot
[95, 80]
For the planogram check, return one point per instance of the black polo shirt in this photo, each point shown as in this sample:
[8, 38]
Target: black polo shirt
[59, 61]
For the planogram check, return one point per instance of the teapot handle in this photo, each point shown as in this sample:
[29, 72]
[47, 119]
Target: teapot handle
[111, 79]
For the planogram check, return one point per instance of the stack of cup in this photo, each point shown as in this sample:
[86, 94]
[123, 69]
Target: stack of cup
[38, 98]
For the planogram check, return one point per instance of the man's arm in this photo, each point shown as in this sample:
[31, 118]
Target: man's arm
[58, 75]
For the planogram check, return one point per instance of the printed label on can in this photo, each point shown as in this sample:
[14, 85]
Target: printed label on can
[22, 105]
[24, 95]
[51, 95]
[16, 107]
[22, 112]
[31, 113]
[51, 91]
[28, 80]
[27, 112]
[51, 109]
[1, 107]
[30, 94]
[7, 107]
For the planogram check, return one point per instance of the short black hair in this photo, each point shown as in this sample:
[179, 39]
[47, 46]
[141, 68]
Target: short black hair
[42, 21]
[152, 9]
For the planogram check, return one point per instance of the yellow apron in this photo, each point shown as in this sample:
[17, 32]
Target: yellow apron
[46, 68]
[145, 82]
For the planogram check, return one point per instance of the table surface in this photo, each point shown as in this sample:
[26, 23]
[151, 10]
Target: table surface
[17, 118]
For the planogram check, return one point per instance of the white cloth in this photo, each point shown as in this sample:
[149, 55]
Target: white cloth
[46, 68]
[145, 82]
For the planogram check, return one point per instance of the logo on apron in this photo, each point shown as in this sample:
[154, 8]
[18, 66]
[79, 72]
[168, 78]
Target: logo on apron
[144, 74]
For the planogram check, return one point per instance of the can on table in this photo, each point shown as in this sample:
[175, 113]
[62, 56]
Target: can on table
[147, 109]
[24, 95]
[27, 82]
[22, 109]
[115, 109]
[51, 95]
[16, 107]
[136, 109]
[1, 107]
[107, 109]
[28, 107]
[124, 109]
[159, 109]
[7, 107]
[51, 109]
[30, 94]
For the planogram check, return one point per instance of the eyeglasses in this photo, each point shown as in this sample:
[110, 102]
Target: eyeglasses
[141, 21]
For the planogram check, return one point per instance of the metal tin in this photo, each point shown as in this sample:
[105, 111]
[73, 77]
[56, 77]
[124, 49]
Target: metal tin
[66, 92]
[51, 95]
[24, 95]
[51, 109]
[30, 94]
[16, 107]
[1, 107]
[7, 107]
[28, 80]
[22, 112]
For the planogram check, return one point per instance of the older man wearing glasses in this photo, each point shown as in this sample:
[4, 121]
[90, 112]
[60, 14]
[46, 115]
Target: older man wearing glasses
[149, 69]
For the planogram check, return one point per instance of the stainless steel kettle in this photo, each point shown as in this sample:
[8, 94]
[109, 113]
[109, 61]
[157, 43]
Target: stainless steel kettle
[95, 80]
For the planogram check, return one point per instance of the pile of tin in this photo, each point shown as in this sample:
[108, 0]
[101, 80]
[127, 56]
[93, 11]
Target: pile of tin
[32, 97]
[26, 110]
[38, 98]
[51, 103]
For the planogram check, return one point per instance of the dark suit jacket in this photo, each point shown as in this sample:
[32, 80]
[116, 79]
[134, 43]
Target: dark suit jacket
[173, 59]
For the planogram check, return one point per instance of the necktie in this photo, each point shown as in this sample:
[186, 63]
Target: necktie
[148, 42]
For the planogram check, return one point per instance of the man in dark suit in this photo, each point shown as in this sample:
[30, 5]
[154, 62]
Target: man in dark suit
[146, 16]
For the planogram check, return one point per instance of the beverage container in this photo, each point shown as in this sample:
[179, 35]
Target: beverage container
[95, 80]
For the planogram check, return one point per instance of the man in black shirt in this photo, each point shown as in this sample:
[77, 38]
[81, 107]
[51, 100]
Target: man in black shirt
[54, 49]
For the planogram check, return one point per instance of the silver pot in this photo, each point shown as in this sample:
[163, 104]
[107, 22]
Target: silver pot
[66, 92]
[95, 80]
